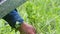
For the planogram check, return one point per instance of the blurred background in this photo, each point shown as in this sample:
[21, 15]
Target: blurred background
[44, 15]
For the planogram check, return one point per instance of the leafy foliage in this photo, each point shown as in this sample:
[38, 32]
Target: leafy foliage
[44, 15]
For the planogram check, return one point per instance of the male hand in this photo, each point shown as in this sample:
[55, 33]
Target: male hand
[26, 29]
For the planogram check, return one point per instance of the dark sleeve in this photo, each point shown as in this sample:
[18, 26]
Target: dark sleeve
[12, 17]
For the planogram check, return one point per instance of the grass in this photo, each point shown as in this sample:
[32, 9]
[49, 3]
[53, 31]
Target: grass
[44, 15]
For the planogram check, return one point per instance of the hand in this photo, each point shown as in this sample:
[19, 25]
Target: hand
[26, 29]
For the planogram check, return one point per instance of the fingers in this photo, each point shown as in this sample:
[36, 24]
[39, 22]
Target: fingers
[27, 29]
